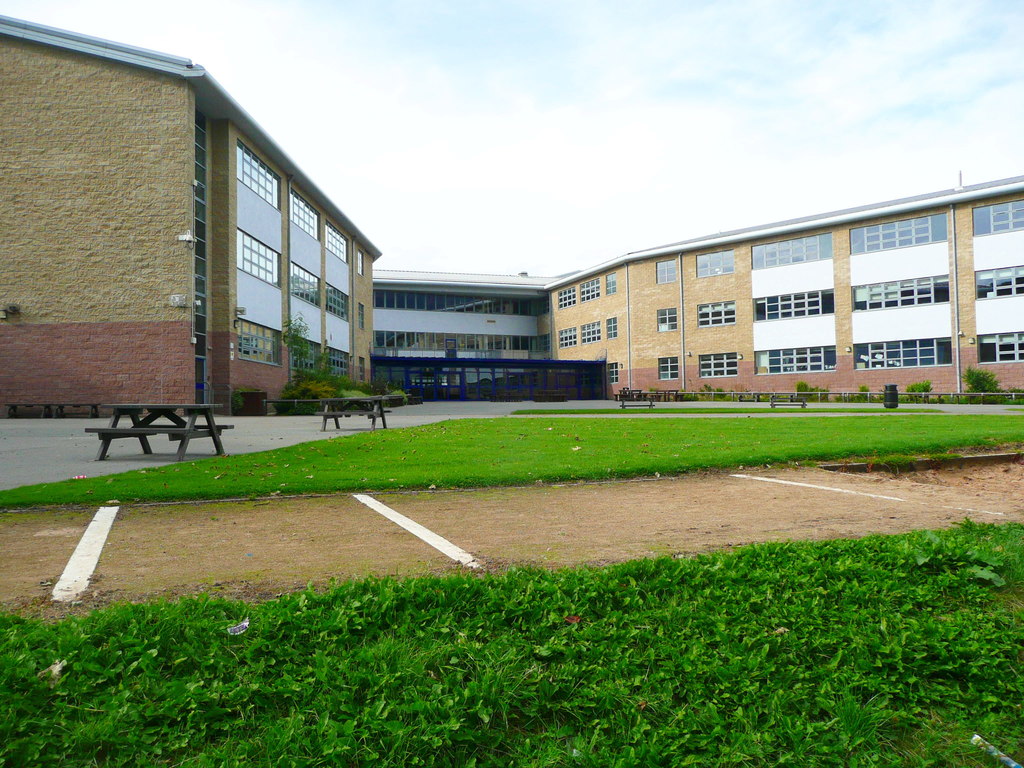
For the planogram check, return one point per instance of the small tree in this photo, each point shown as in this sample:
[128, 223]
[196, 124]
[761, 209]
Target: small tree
[978, 380]
[295, 334]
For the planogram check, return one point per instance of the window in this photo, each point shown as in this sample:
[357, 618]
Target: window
[336, 242]
[993, 283]
[566, 297]
[611, 328]
[668, 320]
[438, 341]
[305, 285]
[337, 302]
[613, 373]
[611, 284]
[798, 360]
[362, 316]
[590, 290]
[567, 337]
[257, 176]
[668, 368]
[902, 293]
[255, 342]
[794, 305]
[1001, 348]
[258, 259]
[898, 234]
[590, 332]
[1003, 217]
[710, 264]
[457, 302]
[720, 313]
[902, 354]
[362, 369]
[803, 249]
[305, 357]
[304, 216]
[359, 261]
[723, 364]
[337, 361]
[666, 271]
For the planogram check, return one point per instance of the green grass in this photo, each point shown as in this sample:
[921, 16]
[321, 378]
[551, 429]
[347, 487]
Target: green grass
[720, 411]
[885, 651]
[486, 452]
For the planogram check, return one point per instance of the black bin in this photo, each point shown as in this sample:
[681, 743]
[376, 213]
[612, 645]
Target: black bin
[890, 396]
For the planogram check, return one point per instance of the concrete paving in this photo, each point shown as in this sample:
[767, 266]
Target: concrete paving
[34, 450]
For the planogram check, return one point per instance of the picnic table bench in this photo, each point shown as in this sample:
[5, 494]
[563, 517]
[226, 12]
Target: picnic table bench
[52, 410]
[788, 400]
[636, 403]
[371, 406]
[144, 418]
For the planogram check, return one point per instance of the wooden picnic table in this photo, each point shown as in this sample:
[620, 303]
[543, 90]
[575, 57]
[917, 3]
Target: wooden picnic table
[149, 419]
[371, 406]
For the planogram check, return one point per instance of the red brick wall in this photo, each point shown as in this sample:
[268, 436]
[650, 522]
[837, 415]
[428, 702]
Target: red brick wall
[114, 362]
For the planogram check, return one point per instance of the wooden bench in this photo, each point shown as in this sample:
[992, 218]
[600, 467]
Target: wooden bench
[788, 400]
[636, 403]
[751, 398]
[174, 434]
[371, 413]
[371, 406]
[53, 410]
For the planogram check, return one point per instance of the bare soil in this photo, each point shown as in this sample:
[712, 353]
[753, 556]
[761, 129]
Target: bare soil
[257, 550]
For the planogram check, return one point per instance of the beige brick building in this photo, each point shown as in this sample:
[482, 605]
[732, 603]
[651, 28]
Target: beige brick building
[899, 292]
[157, 240]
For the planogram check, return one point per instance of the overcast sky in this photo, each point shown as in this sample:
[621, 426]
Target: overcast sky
[550, 135]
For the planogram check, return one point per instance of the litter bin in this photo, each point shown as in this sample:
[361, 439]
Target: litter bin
[253, 404]
[890, 396]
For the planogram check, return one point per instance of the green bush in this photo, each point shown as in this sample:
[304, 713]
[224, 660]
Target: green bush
[978, 380]
[920, 386]
[304, 389]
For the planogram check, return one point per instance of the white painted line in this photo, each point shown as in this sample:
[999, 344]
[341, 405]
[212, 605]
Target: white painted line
[437, 542]
[83, 560]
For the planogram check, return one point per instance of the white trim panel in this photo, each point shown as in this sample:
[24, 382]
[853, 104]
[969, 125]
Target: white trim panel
[310, 315]
[1003, 250]
[258, 218]
[338, 333]
[304, 250]
[792, 278]
[1002, 315]
[454, 322]
[262, 301]
[930, 321]
[796, 332]
[900, 264]
[337, 273]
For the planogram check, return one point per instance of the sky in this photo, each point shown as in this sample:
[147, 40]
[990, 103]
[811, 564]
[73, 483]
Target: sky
[548, 136]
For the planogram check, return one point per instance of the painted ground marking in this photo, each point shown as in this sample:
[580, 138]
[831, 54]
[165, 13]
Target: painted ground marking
[83, 560]
[425, 534]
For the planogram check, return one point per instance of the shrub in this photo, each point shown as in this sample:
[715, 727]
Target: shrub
[920, 386]
[306, 388]
[978, 380]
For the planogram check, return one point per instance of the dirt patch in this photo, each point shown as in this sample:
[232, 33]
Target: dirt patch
[257, 550]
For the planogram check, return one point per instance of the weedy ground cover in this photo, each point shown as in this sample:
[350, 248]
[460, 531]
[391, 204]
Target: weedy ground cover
[486, 452]
[886, 651]
[763, 411]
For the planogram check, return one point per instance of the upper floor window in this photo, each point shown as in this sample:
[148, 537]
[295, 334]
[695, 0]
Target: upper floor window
[336, 242]
[303, 215]
[1001, 348]
[794, 305]
[611, 284]
[898, 234]
[359, 261]
[613, 373]
[666, 271]
[902, 293]
[362, 316]
[590, 290]
[305, 285]
[721, 263]
[566, 297]
[1002, 217]
[992, 283]
[668, 320]
[337, 302]
[719, 313]
[590, 332]
[257, 342]
[795, 360]
[611, 326]
[257, 176]
[258, 259]
[567, 337]
[798, 251]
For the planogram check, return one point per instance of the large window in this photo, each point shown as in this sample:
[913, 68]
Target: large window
[590, 332]
[720, 263]
[723, 364]
[566, 297]
[612, 328]
[611, 284]
[613, 373]
[255, 342]
[258, 259]
[361, 314]
[898, 234]
[992, 283]
[794, 305]
[360, 258]
[336, 242]
[590, 290]
[798, 251]
[666, 271]
[719, 313]
[457, 302]
[913, 353]
[902, 293]
[1003, 217]
[796, 360]
[338, 361]
[255, 174]
[668, 319]
[305, 285]
[304, 215]
[567, 337]
[668, 368]
[436, 341]
[337, 302]
[1001, 348]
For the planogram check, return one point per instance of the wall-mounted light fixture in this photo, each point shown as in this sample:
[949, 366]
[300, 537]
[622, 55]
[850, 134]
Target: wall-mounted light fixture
[739, 357]
[961, 334]
[972, 340]
[849, 349]
[689, 354]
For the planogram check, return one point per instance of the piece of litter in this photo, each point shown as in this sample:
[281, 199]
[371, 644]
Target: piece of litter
[1006, 760]
[78, 477]
[53, 671]
[239, 628]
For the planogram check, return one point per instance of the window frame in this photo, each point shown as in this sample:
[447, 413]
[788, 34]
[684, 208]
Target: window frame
[1013, 285]
[590, 332]
[795, 360]
[333, 235]
[789, 306]
[567, 337]
[590, 290]
[251, 259]
[336, 302]
[662, 270]
[266, 345]
[666, 366]
[302, 214]
[611, 328]
[1012, 218]
[299, 283]
[667, 319]
[716, 263]
[716, 313]
[799, 250]
[917, 291]
[897, 353]
[904, 233]
[567, 297]
[1004, 347]
[718, 365]
[257, 175]
[611, 283]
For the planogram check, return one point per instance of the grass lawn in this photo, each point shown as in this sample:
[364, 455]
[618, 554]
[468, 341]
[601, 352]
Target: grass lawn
[508, 451]
[885, 651]
[721, 411]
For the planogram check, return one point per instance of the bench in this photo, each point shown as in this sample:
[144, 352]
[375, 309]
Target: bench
[788, 400]
[53, 410]
[751, 398]
[370, 413]
[636, 403]
[174, 434]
